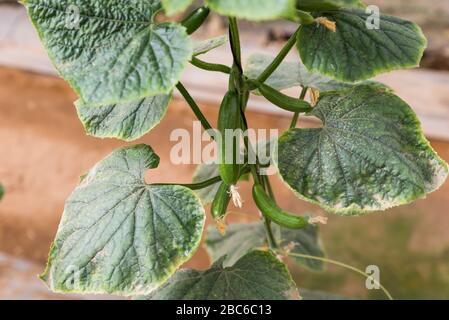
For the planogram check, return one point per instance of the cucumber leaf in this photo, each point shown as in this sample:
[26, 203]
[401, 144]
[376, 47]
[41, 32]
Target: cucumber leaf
[318, 5]
[113, 51]
[119, 235]
[354, 52]
[243, 238]
[255, 10]
[258, 275]
[203, 173]
[204, 46]
[125, 121]
[173, 7]
[369, 155]
[290, 74]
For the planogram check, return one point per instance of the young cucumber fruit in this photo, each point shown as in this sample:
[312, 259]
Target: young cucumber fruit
[271, 211]
[221, 202]
[194, 20]
[283, 101]
[229, 121]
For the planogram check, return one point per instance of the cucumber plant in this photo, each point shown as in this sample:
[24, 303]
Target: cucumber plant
[121, 234]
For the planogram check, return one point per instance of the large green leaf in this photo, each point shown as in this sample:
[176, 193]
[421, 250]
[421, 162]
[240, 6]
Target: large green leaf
[238, 240]
[243, 238]
[369, 155]
[119, 235]
[318, 5]
[2, 191]
[354, 52]
[258, 275]
[172, 7]
[255, 10]
[204, 46]
[126, 121]
[290, 74]
[113, 52]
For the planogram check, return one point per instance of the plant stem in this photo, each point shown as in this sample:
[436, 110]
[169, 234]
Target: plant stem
[249, 149]
[206, 125]
[343, 265]
[270, 237]
[269, 188]
[280, 57]
[237, 77]
[294, 120]
[296, 115]
[193, 186]
[244, 95]
[202, 184]
[210, 66]
[234, 37]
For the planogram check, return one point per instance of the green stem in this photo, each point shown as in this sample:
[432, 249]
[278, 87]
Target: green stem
[280, 57]
[206, 125]
[270, 236]
[294, 120]
[271, 239]
[250, 150]
[269, 188]
[237, 77]
[343, 265]
[244, 95]
[203, 184]
[234, 37]
[296, 115]
[193, 186]
[210, 66]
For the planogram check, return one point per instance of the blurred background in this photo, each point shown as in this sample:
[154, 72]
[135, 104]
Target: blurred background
[44, 151]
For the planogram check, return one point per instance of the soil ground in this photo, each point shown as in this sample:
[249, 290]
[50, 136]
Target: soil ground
[44, 151]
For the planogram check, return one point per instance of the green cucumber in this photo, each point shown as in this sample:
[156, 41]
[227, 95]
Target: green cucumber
[271, 211]
[195, 19]
[283, 101]
[229, 120]
[221, 202]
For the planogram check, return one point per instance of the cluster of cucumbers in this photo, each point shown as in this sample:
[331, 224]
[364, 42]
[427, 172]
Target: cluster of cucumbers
[230, 118]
